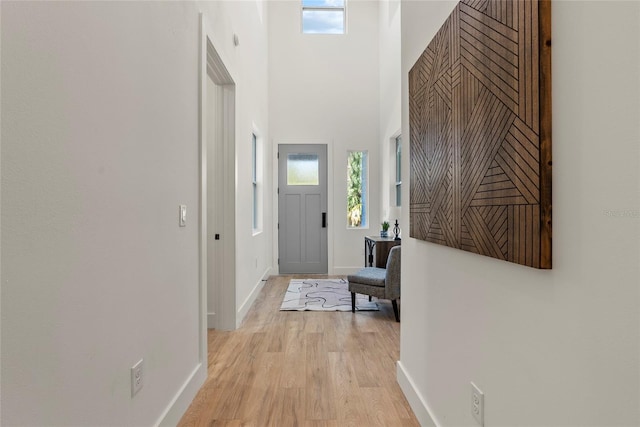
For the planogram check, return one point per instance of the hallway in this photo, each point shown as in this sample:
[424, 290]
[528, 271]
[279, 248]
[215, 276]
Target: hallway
[303, 368]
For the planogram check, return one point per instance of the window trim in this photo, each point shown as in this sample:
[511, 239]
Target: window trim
[342, 9]
[398, 167]
[255, 215]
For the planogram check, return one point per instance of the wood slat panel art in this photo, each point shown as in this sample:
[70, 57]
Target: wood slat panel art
[480, 132]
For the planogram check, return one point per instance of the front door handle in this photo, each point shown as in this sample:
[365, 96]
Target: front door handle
[324, 220]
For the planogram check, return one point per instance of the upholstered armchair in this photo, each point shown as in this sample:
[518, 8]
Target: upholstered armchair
[383, 283]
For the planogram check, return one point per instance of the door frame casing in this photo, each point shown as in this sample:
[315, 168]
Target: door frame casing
[331, 220]
[225, 310]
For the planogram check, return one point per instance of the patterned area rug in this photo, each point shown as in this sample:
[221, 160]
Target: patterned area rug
[323, 295]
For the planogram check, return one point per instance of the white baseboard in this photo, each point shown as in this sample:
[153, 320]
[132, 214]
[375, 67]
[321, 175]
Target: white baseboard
[344, 271]
[269, 272]
[246, 305]
[181, 401]
[417, 402]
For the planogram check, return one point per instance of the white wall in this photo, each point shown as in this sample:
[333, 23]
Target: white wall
[99, 147]
[324, 88]
[557, 347]
[390, 120]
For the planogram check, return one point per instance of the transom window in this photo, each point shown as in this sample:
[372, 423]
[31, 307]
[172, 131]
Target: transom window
[323, 16]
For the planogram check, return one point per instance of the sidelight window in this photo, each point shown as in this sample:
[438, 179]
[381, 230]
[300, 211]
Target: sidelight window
[357, 177]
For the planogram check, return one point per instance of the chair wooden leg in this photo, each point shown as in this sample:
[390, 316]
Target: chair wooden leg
[395, 309]
[353, 302]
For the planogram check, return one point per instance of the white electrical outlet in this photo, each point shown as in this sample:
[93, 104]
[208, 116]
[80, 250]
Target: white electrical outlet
[137, 377]
[477, 404]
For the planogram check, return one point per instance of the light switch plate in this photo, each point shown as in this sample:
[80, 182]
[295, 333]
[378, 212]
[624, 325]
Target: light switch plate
[182, 220]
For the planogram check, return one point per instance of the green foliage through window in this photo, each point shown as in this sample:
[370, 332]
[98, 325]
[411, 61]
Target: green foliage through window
[356, 189]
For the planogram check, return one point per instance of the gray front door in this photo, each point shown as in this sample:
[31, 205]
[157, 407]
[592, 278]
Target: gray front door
[302, 208]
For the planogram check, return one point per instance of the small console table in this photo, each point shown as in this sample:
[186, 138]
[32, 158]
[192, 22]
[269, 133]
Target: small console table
[382, 245]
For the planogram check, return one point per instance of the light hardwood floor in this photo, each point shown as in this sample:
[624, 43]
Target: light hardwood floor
[303, 369]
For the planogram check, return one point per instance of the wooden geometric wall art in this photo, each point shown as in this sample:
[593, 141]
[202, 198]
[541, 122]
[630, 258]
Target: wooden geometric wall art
[480, 132]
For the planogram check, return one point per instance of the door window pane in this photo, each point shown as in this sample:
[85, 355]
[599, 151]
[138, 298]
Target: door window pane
[302, 169]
